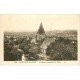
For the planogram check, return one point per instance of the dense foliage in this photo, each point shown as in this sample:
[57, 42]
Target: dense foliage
[62, 49]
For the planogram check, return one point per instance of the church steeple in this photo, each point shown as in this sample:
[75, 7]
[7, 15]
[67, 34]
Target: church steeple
[41, 29]
[40, 36]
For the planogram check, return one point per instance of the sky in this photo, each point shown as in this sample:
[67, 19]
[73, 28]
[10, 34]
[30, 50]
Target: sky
[32, 22]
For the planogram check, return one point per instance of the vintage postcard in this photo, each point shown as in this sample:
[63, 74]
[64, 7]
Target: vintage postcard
[39, 39]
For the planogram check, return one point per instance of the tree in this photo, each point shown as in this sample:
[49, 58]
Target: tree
[62, 49]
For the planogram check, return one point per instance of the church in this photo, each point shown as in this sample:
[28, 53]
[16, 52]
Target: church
[42, 39]
[40, 35]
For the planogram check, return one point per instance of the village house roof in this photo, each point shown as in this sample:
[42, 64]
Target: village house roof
[46, 42]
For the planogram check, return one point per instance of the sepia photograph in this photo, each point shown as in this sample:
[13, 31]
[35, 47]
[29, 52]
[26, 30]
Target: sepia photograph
[40, 37]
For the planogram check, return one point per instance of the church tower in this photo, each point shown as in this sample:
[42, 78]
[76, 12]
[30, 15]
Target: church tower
[40, 36]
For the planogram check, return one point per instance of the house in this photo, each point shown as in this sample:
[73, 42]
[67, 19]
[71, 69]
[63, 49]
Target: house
[45, 43]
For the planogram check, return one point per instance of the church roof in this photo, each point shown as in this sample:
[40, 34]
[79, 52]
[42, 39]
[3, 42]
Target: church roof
[41, 29]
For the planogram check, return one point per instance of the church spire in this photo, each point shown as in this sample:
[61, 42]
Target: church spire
[41, 29]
